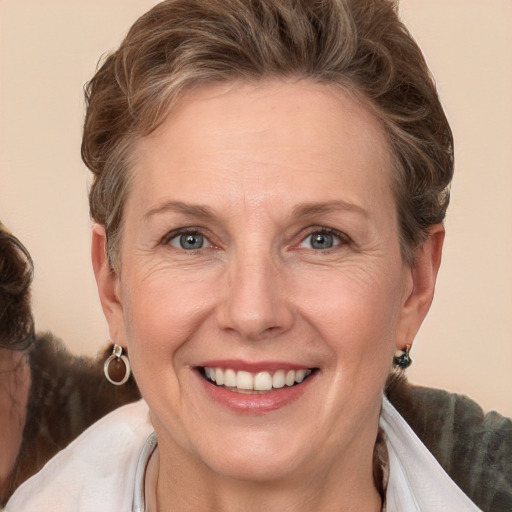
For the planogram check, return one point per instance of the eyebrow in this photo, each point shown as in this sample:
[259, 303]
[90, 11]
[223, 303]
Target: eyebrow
[312, 209]
[298, 211]
[194, 210]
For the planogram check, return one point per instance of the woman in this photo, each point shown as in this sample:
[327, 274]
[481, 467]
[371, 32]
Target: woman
[16, 336]
[270, 181]
[47, 396]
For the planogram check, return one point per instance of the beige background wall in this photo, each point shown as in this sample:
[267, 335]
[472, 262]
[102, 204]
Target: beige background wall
[49, 49]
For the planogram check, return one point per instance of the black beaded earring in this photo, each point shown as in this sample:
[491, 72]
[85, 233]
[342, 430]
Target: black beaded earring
[403, 359]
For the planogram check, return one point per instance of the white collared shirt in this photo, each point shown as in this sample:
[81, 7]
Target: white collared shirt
[417, 482]
[97, 471]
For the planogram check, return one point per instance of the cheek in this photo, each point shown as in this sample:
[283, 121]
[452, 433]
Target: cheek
[355, 316]
[160, 315]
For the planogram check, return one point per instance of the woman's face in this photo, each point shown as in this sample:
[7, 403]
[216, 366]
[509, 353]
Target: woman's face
[260, 248]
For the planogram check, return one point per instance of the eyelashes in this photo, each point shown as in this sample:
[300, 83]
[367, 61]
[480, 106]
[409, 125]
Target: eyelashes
[316, 238]
[323, 239]
[187, 239]
[192, 241]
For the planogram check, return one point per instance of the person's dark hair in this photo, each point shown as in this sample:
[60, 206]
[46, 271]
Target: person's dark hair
[16, 271]
[359, 45]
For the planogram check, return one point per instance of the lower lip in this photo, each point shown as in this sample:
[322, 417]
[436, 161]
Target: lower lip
[257, 403]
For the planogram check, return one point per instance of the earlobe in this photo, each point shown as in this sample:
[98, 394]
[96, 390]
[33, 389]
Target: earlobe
[422, 276]
[107, 282]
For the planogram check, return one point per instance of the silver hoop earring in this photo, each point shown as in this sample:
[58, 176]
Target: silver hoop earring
[117, 355]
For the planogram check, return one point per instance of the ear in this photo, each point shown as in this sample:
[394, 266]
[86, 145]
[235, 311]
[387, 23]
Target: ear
[420, 285]
[108, 285]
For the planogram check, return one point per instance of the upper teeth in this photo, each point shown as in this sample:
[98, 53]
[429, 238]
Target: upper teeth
[261, 381]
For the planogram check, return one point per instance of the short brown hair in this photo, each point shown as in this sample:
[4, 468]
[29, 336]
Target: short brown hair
[16, 271]
[360, 45]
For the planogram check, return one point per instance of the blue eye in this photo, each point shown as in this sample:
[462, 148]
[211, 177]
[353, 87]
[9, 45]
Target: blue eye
[321, 240]
[189, 241]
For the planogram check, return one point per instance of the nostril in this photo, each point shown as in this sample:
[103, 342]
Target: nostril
[254, 325]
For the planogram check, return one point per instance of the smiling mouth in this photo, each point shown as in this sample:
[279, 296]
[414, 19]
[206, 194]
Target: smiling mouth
[259, 382]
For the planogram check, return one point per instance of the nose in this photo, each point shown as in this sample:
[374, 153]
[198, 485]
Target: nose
[256, 304]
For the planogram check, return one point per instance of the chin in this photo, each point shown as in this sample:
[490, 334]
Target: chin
[264, 469]
[264, 458]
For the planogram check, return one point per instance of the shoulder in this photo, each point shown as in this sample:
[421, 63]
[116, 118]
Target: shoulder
[67, 395]
[95, 472]
[474, 448]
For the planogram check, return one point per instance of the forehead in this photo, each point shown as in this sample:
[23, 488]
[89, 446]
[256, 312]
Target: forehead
[264, 139]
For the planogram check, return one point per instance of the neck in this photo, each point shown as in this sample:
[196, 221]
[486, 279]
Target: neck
[14, 390]
[341, 486]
